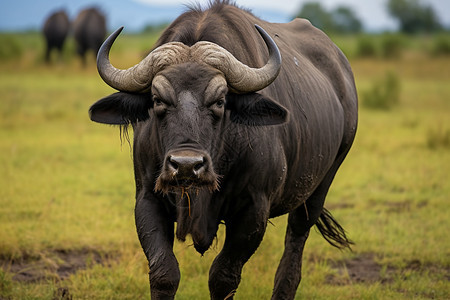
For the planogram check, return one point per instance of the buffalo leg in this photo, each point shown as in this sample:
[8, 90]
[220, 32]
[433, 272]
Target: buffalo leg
[81, 50]
[244, 234]
[300, 221]
[60, 53]
[48, 54]
[288, 274]
[156, 234]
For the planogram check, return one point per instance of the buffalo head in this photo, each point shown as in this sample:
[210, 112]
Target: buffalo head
[180, 101]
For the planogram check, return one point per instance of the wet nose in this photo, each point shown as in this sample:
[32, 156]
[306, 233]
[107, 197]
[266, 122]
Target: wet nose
[186, 164]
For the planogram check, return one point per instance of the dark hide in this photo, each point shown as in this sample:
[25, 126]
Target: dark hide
[263, 154]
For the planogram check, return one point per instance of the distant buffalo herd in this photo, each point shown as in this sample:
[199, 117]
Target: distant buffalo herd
[88, 29]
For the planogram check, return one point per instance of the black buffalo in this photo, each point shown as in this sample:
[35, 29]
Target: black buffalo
[89, 30]
[56, 29]
[234, 125]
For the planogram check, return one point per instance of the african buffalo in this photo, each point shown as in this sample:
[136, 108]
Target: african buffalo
[55, 30]
[89, 29]
[237, 125]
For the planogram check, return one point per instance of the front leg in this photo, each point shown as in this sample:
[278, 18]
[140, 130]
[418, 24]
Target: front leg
[155, 229]
[244, 233]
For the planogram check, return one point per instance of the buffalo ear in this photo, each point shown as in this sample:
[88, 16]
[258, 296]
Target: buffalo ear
[121, 109]
[255, 110]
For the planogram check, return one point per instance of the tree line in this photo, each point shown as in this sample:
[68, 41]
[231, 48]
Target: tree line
[413, 17]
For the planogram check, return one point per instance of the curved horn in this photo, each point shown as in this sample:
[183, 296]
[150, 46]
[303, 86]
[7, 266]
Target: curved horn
[240, 77]
[139, 77]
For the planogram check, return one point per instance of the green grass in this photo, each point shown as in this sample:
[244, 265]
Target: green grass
[66, 184]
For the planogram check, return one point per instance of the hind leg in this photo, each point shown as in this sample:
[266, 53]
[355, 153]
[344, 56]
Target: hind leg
[300, 221]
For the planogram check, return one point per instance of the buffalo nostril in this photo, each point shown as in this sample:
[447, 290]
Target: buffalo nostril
[172, 163]
[199, 165]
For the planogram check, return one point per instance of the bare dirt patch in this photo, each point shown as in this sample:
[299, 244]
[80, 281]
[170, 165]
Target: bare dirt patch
[54, 265]
[361, 269]
[365, 269]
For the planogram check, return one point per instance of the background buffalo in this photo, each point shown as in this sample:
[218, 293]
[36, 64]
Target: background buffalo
[89, 29]
[56, 29]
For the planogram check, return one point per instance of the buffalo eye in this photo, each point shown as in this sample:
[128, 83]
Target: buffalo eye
[220, 103]
[157, 100]
[218, 108]
[159, 106]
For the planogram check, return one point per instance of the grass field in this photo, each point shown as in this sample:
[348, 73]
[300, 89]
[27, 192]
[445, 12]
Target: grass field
[66, 191]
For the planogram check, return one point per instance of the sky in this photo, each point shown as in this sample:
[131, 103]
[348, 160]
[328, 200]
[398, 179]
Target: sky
[16, 15]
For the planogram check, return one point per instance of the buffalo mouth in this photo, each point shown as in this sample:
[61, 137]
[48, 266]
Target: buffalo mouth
[186, 170]
[168, 183]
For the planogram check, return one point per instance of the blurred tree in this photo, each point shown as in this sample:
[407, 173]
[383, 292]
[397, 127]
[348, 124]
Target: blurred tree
[345, 20]
[414, 16]
[154, 28]
[340, 20]
[317, 15]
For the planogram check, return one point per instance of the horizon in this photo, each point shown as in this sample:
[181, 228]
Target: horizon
[135, 15]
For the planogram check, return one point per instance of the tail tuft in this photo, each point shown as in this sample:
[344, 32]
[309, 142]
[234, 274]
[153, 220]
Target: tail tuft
[332, 231]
